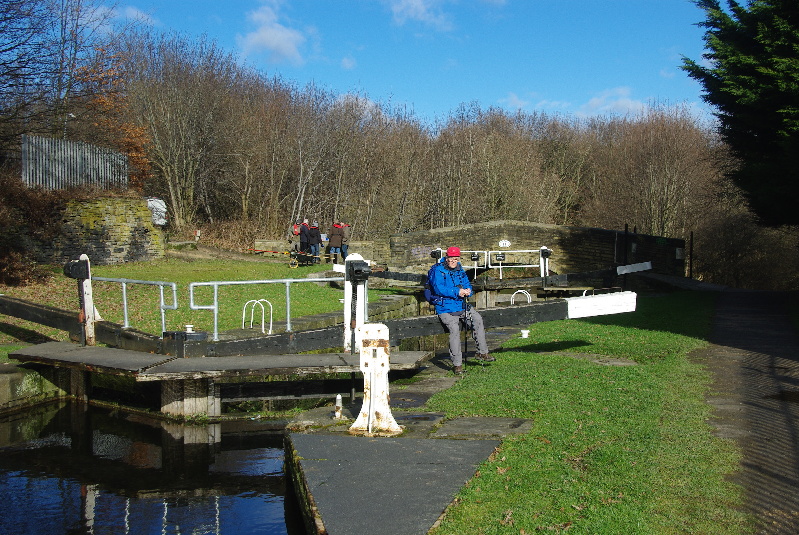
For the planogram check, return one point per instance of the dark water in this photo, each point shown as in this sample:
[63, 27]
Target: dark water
[72, 469]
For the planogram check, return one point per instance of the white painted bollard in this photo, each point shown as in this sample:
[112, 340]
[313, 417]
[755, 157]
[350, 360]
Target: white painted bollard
[375, 418]
[338, 408]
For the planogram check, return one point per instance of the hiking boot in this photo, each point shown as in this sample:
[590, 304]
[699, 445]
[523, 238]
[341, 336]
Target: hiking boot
[484, 357]
[458, 370]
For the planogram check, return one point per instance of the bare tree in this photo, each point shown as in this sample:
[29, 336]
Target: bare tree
[22, 23]
[179, 90]
[649, 171]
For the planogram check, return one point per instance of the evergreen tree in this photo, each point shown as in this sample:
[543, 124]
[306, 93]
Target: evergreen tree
[752, 79]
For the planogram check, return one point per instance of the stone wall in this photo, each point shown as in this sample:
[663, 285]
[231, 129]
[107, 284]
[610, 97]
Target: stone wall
[574, 249]
[109, 230]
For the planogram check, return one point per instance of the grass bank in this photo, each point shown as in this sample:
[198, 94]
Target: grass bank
[614, 449]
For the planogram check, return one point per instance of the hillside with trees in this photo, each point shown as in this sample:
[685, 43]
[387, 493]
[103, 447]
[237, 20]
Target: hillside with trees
[241, 154]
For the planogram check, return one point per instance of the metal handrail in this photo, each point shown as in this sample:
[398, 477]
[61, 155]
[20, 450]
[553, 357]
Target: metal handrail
[523, 292]
[216, 284]
[254, 303]
[163, 306]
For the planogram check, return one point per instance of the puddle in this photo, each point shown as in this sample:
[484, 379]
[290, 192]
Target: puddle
[76, 469]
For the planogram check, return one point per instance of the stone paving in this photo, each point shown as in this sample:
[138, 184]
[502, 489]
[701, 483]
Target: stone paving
[754, 359]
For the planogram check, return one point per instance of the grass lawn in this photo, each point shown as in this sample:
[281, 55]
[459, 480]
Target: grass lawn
[614, 449]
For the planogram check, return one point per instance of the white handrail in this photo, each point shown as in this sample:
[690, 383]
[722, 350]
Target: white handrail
[259, 302]
[216, 284]
[163, 306]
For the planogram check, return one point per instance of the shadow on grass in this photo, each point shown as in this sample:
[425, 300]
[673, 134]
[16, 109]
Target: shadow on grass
[683, 313]
[25, 335]
[546, 347]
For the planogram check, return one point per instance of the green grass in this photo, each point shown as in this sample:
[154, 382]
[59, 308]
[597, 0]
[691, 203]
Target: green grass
[613, 449]
[144, 314]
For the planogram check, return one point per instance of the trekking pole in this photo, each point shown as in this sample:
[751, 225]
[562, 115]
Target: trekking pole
[465, 322]
[469, 326]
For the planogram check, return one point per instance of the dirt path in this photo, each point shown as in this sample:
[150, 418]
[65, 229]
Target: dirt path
[206, 252]
[754, 358]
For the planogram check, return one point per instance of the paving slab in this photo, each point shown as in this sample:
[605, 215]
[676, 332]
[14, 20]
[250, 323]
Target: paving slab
[473, 427]
[390, 486]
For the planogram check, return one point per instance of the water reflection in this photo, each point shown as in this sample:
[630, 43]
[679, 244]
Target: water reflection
[73, 469]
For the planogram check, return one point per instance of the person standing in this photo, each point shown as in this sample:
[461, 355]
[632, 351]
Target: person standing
[305, 236]
[345, 240]
[314, 241]
[450, 288]
[294, 236]
[336, 239]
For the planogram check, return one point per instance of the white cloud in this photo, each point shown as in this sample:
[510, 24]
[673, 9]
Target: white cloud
[514, 101]
[348, 63]
[552, 105]
[666, 73]
[614, 101]
[135, 14]
[280, 42]
[425, 11]
[367, 108]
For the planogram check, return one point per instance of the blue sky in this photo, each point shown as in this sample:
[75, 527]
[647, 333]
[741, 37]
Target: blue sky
[575, 57]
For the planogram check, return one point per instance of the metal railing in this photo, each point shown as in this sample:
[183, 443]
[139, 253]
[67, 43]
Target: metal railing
[504, 259]
[255, 303]
[161, 284]
[216, 284]
[58, 164]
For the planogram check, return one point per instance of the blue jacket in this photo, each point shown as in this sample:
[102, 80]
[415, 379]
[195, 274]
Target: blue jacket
[446, 283]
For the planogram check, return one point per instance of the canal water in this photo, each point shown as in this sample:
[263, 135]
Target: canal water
[73, 469]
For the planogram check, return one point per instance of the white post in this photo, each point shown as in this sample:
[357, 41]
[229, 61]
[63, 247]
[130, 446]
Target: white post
[89, 313]
[375, 418]
[543, 257]
[347, 312]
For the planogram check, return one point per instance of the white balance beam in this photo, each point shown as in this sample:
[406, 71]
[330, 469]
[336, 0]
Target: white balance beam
[601, 304]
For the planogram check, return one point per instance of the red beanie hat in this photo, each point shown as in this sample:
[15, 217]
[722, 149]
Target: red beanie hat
[454, 251]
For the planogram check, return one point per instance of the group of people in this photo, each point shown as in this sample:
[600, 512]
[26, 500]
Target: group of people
[307, 238]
